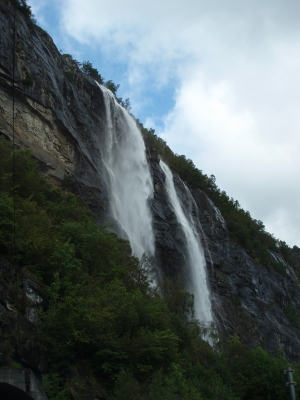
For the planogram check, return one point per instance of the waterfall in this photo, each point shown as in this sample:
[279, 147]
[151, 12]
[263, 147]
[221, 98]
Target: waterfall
[130, 188]
[195, 260]
[130, 183]
[193, 208]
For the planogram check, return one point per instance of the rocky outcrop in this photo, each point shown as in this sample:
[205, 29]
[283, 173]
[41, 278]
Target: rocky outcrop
[59, 114]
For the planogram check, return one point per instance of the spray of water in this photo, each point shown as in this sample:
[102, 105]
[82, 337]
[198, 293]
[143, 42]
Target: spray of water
[196, 260]
[130, 182]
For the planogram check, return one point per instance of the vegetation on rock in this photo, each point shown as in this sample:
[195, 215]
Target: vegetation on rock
[88, 69]
[25, 9]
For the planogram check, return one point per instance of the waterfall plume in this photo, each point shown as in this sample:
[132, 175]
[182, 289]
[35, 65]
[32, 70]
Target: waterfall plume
[130, 183]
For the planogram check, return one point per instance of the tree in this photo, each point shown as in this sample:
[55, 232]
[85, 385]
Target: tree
[87, 68]
[25, 9]
[112, 86]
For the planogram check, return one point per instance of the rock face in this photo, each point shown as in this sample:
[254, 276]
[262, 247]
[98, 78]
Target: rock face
[60, 115]
[57, 109]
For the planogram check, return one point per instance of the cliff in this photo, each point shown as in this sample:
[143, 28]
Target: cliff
[60, 116]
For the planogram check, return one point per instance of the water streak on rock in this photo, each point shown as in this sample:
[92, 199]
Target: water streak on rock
[195, 257]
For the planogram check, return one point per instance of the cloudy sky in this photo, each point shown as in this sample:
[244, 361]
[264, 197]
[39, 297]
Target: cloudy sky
[218, 80]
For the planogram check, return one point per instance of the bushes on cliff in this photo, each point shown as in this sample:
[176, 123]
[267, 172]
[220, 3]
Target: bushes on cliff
[25, 9]
[88, 69]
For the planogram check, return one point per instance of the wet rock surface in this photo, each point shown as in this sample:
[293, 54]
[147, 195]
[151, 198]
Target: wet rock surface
[60, 115]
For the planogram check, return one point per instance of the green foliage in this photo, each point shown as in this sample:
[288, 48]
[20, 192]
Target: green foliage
[27, 80]
[41, 30]
[172, 385]
[124, 103]
[69, 75]
[88, 69]
[127, 387]
[25, 9]
[279, 267]
[178, 300]
[254, 374]
[15, 364]
[54, 386]
[112, 86]
[293, 315]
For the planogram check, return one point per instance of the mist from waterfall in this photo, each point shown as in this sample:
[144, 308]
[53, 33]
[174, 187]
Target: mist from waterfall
[196, 261]
[130, 182]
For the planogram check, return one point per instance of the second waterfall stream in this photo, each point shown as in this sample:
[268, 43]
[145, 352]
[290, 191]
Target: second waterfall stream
[130, 189]
[195, 257]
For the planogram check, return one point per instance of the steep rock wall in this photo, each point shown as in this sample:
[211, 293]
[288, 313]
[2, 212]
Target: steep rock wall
[57, 108]
[60, 114]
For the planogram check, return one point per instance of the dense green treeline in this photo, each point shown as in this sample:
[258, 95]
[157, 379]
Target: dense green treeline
[243, 229]
[106, 330]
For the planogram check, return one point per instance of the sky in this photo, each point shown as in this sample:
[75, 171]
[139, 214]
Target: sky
[218, 80]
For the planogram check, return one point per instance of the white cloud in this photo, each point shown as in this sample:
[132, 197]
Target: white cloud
[251, 149]
[236, 66]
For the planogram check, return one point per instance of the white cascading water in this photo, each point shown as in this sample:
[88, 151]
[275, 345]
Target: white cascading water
[196, 260]
[131, 187]
[129, 177]
[193, 208]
